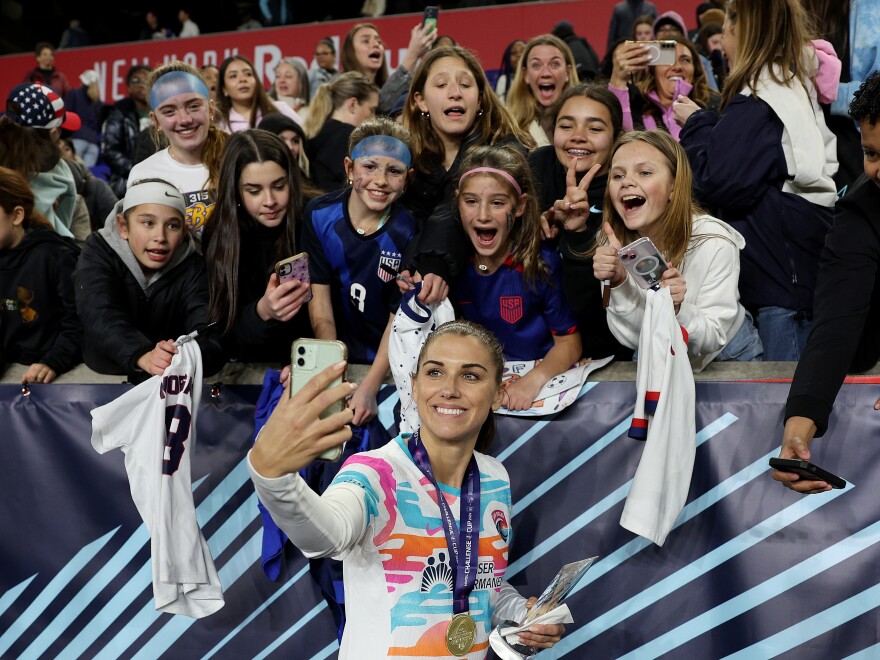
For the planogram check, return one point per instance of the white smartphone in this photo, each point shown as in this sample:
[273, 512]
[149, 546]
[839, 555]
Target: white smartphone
[644, 262]
[309, 357]
[659, 52]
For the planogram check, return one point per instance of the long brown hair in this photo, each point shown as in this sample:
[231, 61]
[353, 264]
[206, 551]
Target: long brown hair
[212, 151]
[15, 191]
[348, 59]
[758, 47]
[230, 220]
[525, 232]
[520, 101]
[463, 328]
[494, 123]
[261, 100]
[699, 94]
[674, 227]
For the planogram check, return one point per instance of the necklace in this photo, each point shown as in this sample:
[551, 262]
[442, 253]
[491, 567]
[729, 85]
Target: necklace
[382, 221]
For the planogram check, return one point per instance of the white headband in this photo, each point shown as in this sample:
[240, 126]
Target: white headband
[153, 192]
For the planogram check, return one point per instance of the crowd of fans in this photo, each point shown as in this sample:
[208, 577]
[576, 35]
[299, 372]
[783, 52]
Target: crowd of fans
[513, 196]
[735, 180]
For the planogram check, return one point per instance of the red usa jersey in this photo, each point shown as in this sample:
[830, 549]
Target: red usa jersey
[154, 424]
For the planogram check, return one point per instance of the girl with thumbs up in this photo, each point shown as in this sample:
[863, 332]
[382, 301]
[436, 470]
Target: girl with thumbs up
[649, 194]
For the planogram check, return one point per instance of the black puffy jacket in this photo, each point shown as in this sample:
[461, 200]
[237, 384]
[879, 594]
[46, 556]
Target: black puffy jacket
[121, 322]
[120, 136]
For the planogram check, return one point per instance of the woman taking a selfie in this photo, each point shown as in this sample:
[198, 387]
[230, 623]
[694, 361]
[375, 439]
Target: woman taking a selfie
[646, 91]
[385, 547]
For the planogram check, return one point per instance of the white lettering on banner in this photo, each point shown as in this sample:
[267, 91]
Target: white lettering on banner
[209, 57]
[191, 59]
[101, 68]
[266, 58]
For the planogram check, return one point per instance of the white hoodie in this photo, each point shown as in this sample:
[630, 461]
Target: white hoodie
[711, 312]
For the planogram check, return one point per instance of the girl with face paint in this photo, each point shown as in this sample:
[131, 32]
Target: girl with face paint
[355, 239]
[512, 284]
[182, 113]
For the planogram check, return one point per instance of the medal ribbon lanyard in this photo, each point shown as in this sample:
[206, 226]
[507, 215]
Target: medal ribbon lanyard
[462, 542]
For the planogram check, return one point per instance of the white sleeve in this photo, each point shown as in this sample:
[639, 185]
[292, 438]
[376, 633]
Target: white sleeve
[509, 605]
[709, 316]
[626, 309]
[327, 525]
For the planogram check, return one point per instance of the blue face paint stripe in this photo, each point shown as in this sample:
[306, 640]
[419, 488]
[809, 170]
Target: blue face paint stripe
[290, 632]
[765, 591]
[703, 565]
[88, 593]
[253, 615]
[51, 591]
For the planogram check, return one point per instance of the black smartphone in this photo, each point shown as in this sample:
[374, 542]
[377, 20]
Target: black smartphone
[430, 18]
[806, 470]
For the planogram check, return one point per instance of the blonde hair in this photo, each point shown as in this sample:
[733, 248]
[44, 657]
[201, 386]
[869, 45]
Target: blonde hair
[494, 123]
[525, 232]
[333, 94]
[212, 151]
[674, 227]
[520, 101]
[758, 47]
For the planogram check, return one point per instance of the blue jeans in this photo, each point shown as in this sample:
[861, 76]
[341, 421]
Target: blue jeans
[88, 151]
[783, 332]
[744, 346]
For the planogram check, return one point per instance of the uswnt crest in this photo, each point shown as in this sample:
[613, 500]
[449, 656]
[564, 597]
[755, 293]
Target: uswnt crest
[511, 308]
[389, 265]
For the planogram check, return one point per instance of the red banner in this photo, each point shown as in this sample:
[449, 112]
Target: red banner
[486, 30]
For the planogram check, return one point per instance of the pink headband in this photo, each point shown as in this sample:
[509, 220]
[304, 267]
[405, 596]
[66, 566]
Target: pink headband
[492, 170]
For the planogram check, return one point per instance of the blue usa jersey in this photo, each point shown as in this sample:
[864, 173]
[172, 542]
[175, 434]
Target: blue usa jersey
[524, 316]
[359, 269]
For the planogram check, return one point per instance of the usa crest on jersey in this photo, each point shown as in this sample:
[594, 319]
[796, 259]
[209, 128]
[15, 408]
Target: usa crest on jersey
[389, 265]
[511, 308]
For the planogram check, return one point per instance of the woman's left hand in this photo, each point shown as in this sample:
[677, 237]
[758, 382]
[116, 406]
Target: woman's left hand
[682, 108]
[541, 635]
[677, 285]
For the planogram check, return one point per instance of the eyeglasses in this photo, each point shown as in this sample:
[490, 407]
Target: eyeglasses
[320, 53]
[136, 81]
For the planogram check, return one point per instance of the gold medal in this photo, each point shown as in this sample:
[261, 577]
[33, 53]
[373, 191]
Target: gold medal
[461, 634]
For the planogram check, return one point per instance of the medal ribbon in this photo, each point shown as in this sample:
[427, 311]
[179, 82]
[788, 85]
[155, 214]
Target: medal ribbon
[462, 542]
